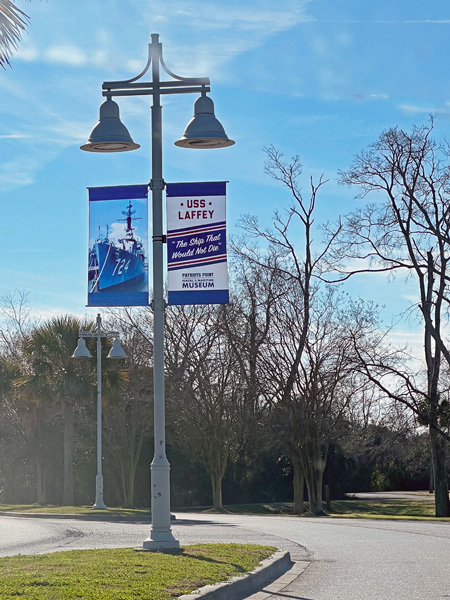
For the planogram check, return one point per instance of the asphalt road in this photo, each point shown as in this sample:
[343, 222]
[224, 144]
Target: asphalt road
[350, 559]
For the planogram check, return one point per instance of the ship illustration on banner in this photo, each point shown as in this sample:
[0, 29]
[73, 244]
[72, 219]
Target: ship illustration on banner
[118, 259]
[196, 243]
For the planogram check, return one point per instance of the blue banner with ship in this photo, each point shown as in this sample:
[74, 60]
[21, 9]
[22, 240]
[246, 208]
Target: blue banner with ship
[118, 246]
[196, 243]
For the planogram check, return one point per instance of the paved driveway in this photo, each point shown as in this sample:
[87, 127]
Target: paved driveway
[349, 559]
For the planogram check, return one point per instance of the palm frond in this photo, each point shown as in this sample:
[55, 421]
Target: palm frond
[12, 24]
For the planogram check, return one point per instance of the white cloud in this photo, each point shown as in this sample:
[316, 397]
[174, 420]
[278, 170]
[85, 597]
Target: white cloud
[429, 21]
[27, 53]
[412, 340]
[65, 133]
[439, 110]
[216, 34]
[212, 35]
[14, 136]
[66, 55]
[19, 172]
[260, 16]
[408, 108]
[411, 298]
[366, 264]
[45, 313]
[388, 22]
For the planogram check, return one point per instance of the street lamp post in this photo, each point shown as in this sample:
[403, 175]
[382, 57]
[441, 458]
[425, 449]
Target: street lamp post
[82, 351]
[110, 135]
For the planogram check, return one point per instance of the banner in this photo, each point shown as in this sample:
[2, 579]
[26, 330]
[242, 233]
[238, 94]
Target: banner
[196, 243]
[118, 246]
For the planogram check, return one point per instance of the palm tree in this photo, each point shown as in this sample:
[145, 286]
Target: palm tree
[55, 377]
[55, 374]
[12, 24]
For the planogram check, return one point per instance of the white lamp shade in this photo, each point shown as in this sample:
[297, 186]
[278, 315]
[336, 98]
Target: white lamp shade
[81, 351]
[117, 351]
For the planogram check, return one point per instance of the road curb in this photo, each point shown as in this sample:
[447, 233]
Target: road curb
[241, 587]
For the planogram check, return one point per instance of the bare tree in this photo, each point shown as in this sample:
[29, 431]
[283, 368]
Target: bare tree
[298, 273]
[298, 268]
[128, 423]
[407, 230]
[15, 323]
[28, 414]
[205, 389]
[128, 418]
[326, 385]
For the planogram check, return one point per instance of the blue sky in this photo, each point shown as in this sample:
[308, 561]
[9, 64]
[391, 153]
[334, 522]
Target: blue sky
[317, 78]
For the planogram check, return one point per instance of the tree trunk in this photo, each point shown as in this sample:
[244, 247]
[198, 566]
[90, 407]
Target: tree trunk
[216, 483]
[314, 487]
[437, 443]
[68, 498]
[128, 486]
[431, 483]
[40, 468]
[315, 467]
[40, 481]
[438, 453]
[299, 486]
[326, 491]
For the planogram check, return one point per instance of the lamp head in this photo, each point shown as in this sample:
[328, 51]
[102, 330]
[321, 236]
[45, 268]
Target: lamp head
[117, 351]
[110, 134]
[81, 351]
[204, 130]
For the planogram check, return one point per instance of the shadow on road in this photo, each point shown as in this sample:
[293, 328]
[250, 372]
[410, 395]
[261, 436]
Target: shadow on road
[197, 522]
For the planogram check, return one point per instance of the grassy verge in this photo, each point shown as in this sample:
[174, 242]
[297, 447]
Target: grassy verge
[275, 508]
[385, 509]
[124, 574]
[352, 508]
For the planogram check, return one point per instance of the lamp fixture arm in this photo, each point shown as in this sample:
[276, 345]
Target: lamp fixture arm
[94, 334]
[155, 55]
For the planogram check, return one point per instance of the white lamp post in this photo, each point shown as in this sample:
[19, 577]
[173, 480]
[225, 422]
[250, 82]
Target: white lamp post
[110, 135]
[82, 351]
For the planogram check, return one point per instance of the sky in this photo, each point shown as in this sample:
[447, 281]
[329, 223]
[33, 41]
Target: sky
[320, 79]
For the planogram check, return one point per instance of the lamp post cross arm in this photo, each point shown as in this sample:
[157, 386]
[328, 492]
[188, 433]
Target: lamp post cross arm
[155, 56]
[201, 82]
[102, 333]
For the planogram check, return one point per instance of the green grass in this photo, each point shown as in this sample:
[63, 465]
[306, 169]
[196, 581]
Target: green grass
[385, 509]
[72, 510]
[123, 574]
[351, 508]
[275, 508]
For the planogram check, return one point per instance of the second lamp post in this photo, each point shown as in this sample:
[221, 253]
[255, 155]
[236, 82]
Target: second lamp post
[82, 351]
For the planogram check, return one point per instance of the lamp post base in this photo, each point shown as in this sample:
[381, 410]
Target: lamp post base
[99, 504]
[160, 537]
[162, 544]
